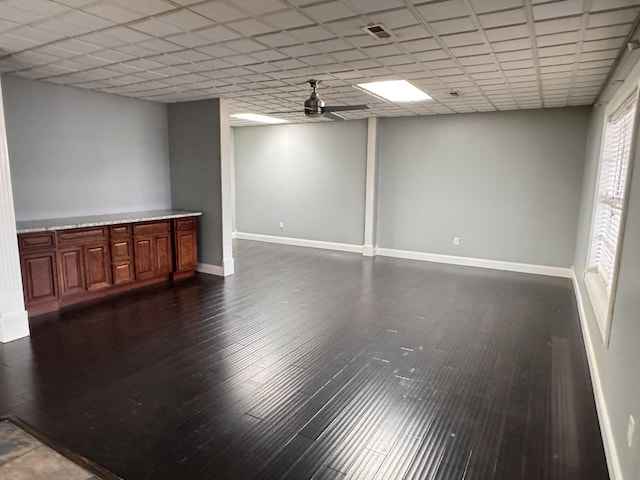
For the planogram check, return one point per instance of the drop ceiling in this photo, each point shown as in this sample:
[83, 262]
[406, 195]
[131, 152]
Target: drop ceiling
[258, 54]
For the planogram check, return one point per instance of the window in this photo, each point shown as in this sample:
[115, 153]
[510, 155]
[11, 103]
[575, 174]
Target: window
[609, 210]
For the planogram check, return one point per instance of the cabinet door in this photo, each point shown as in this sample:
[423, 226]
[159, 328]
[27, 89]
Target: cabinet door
[143, 251]
[39, 278]
[162, 252]
[186, 259]
[71, 270]
[96, 266]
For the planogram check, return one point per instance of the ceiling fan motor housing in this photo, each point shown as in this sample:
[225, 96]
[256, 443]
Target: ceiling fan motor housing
[313, 106]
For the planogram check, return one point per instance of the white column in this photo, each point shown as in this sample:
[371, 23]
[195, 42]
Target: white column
[14, 322]
[368, 249]
[226, 186]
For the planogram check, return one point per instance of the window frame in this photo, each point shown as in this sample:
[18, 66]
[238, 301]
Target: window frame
[603, 304]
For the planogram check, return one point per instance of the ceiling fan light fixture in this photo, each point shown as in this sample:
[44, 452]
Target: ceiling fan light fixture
[254, 117]
[395, 91]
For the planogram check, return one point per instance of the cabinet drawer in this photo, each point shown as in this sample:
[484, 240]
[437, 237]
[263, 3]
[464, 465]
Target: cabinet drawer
[81, 235]
[36, 241]
[123, 273]
[185, 224]
[121, 249]
[150, 228]
[118, 231]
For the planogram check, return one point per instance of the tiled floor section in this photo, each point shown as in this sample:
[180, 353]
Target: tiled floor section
[22, 457]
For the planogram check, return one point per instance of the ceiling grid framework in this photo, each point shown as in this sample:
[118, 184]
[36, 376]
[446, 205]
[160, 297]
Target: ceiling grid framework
[499, 54]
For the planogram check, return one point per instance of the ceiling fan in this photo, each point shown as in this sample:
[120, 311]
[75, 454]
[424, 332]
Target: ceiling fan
[314, 107]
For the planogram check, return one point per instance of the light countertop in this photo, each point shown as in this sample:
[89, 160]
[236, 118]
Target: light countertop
[49, 224]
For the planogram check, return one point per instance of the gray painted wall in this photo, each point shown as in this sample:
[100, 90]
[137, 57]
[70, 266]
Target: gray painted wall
[618, 364]
[311, 176]
[507, 183]
[194, 144]
[75, 152]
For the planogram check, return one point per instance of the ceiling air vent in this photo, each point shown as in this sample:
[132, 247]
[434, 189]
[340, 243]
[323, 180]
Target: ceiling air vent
[455, 94]
[377, 31]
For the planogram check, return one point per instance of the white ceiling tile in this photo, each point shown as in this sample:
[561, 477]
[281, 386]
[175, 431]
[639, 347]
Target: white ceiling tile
[483, 6]
[185, 20]
[514, 55]
[260, 7]
[313, 33]
[420, 45]
[568, 49]
[156, 28]
[500, 19]
[216, 50]
[147, 7]
[477, 60]
[217, 33]
[268, 56]
[218, 11]
[394, 19]
[607, 32]
[112, 11]
[613, 17]
[456, 25]
[333, 45]
[557, 26]
[470, 50]
[510, 45]
[326, 12]
[431, 55]
[558, 60]
[369, 6]
[19, 16]
[558, 39]
[244, 45]
[606, 44]
[443, 10]
[562, 8]
[250, 27]
[597, 5]
[287, 19]
[507, 33]
[461, 39]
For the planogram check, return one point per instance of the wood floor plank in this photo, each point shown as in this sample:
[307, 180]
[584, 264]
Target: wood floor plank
[318, 364]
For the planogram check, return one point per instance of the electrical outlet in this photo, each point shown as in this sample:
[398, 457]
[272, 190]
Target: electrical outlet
[281, 224]
[631, 428]
[456, 241]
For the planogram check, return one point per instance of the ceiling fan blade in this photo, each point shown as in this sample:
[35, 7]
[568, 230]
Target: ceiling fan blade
[345, 108]
[283, 113]
[333, 116]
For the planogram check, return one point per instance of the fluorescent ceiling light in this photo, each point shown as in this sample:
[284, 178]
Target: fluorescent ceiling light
[395, 91]
[254, 117]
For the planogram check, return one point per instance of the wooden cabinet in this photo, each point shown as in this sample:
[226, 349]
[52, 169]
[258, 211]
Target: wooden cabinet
[84, 260]
[39, 272]
[186, 256]
[122, 255]
[152, 249]
[68, 266]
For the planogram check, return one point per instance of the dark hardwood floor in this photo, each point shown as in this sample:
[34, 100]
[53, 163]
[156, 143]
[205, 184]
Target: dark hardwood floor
[318, 364]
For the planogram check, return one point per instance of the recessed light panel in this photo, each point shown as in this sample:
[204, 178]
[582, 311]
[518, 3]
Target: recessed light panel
[395, 91]
[254, 117]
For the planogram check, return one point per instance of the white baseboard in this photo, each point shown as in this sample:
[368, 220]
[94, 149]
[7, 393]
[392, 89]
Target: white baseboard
[228, 266]
[613, 462]
[210, 269]
[300, 242]
[14, 326]
[368, 251]
[476, 262]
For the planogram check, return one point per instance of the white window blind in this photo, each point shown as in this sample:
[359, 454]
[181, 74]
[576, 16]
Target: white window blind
[614, 168]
